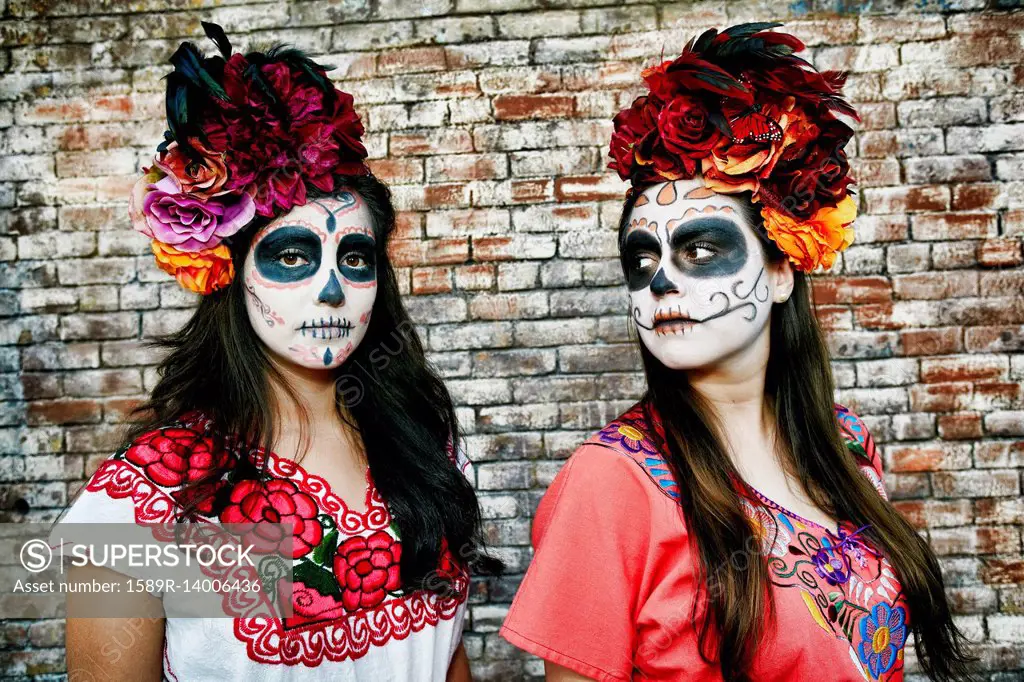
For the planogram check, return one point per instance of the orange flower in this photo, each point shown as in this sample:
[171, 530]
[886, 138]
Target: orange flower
[815, 241]
[200, 271]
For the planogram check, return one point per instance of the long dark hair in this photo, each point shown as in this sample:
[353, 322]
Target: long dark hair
[386, 390]
[736, 607]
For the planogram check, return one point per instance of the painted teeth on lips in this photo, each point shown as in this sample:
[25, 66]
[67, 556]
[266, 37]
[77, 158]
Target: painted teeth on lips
[671, 321]
[326, 328]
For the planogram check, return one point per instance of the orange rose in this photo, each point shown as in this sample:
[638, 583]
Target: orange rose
[815, 241]
[200, 271]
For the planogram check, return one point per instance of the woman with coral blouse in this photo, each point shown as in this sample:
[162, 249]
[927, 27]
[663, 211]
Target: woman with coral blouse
[732, 524]
[298, 393]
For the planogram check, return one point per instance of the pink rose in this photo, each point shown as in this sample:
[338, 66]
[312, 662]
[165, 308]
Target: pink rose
[159, 211]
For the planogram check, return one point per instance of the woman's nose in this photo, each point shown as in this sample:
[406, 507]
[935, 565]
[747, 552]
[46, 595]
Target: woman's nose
[332, 293]
[661, 284]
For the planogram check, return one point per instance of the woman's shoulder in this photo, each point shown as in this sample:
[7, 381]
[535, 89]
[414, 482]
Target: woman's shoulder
[153, 464]
[636, 438]
[177, 451]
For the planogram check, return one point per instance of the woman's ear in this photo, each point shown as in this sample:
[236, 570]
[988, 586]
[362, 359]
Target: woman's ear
[782, 280]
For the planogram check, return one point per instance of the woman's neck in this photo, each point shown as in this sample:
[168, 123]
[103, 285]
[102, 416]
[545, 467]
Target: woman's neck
[314, 388]
[735, 390]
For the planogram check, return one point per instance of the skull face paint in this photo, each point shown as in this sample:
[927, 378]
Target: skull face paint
[699, 287]
[311, 281]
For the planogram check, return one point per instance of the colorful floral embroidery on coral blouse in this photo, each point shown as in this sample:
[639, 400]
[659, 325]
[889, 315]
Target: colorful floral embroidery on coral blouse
[351, 621]
[611, 586]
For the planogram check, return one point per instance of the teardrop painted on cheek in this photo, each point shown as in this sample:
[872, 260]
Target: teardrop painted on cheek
[661, 284]
[332, 293]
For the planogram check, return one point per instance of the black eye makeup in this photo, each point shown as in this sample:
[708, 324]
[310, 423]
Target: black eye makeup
[288, 254]
[357, 257]
[708, 247]
[640, 256]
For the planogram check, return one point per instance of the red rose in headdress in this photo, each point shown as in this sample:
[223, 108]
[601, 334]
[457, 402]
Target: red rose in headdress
[816, 176]
[686, 129]
[202, 175]
[632, 125]
[744, 164]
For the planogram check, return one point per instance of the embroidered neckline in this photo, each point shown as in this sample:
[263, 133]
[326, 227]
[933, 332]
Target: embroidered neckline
[287, 468]
[769, 502]
[305, 477]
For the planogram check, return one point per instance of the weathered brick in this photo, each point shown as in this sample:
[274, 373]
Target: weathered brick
[947, 169]
[433, 142]
[936, 226]
[965, 50]
[977, 196]
[992, 138]
[928, 457]
[907, 199]
[532, 107]
[466, 167]
[1001, 252]
[994, 483]
[942, 112]
[538, 24]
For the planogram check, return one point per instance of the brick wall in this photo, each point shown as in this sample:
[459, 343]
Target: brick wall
[490, 118]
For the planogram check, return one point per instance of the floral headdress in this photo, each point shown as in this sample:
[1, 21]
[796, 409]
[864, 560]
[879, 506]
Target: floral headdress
[247, 134]
[739, 108]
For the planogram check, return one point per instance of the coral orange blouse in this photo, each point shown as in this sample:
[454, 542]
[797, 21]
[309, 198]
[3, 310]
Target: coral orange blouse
[611, 587]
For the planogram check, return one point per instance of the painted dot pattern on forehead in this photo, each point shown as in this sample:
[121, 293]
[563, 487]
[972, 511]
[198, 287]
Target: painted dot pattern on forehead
[335, 207]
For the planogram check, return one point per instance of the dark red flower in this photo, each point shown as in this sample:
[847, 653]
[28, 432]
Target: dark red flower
[172, 456]
[685, 128]
[817, 176]
[367, 568]
[255, 504]
[283, 134]
[655, 163]
[631, 127]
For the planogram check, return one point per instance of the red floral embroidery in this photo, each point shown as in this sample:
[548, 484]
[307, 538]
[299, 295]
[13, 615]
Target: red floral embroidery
[173, 456]
[324, 627]
[275, 501]
[367, 568]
